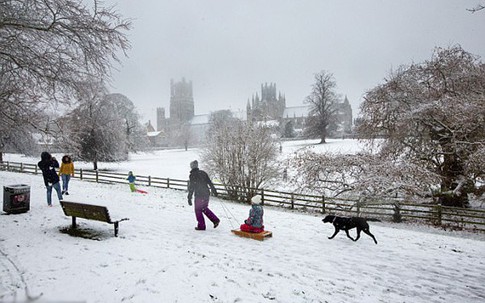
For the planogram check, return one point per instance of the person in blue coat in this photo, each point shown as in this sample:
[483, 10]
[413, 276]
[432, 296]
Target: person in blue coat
[254, 223]
[131, 180]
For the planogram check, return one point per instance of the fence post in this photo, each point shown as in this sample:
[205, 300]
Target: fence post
[8, 166]
[292, 201]
[97, 176]
[438, 214]
[35, 167]
[323, 204]
[81, 173]
[262, 196]
[21, 167]
[168, 182]
[149, 181]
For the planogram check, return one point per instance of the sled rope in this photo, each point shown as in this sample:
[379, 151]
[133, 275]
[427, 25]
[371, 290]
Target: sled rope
[229, 215]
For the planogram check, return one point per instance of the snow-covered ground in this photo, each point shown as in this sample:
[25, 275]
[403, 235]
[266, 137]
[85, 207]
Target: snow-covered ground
[159, 257]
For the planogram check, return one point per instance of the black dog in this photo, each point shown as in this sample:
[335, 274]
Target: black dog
[346, 224]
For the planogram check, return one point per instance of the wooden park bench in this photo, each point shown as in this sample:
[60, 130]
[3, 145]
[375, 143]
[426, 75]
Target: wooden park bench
[257, 236]
[90, 212]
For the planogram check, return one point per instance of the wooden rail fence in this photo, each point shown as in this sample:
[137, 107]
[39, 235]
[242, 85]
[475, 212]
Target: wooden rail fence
[396, 210]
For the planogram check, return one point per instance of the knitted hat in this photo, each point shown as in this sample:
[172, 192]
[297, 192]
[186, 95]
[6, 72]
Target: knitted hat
[256, 200]
[194, 164]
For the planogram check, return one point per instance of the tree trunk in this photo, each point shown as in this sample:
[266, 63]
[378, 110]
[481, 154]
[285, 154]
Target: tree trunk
[451, 171]
[323, 135]
[95, 165]
[1, 156]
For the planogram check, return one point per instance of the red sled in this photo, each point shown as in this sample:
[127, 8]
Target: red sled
[141, 191]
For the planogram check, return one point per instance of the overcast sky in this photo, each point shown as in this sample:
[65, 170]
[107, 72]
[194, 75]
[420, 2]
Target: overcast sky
[228, 48]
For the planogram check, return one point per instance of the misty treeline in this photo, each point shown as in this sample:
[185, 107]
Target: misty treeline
[426, 130]
[52, 54]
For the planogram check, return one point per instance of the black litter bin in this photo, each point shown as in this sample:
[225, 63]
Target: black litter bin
[16, 198]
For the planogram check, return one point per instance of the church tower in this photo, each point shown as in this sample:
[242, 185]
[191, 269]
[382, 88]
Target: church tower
[161, 120]
[270, 106]
[181, 101]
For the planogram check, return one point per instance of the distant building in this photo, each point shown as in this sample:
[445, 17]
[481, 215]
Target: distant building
[156, 138]
[344, 118]
[297, 117]
[181, 105]
[181, 101]
[162, 121]
[181, 112]
[199, 125]
[297, 114]
[268, 107]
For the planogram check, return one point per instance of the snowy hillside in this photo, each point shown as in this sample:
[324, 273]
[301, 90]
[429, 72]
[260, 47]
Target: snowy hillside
[159, 257]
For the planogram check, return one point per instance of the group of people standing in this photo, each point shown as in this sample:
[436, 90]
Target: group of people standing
[200, 186]
[48, 165]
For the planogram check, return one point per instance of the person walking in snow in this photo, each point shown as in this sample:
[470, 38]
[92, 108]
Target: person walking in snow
[131, 179]
[66, 172]
[254, 223]
[48, 165]
[199, 184]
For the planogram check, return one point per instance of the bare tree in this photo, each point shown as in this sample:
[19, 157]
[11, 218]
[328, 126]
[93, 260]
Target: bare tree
[182, 135]
[427, 129]
[46, 48]
[242, 155]
[322, 102]
[433, 114]
[96, 130]
[135, 132]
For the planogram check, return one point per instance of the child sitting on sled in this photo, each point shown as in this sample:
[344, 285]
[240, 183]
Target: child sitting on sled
[254, 224]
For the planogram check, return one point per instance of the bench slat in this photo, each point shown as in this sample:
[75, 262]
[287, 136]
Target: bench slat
[90, 212]
[86, 211]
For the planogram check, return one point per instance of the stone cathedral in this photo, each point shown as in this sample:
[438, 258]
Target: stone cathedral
[181, 106]
[268, 107]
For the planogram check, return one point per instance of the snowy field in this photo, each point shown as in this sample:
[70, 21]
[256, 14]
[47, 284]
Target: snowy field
[159, 257]
[174, 163]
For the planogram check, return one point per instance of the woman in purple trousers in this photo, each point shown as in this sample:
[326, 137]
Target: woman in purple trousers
[199, 184]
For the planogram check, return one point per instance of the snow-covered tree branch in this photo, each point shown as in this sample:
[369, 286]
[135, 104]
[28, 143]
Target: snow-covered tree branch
[426, 124]
[433, 114]
[242, 155]
[46, 48]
